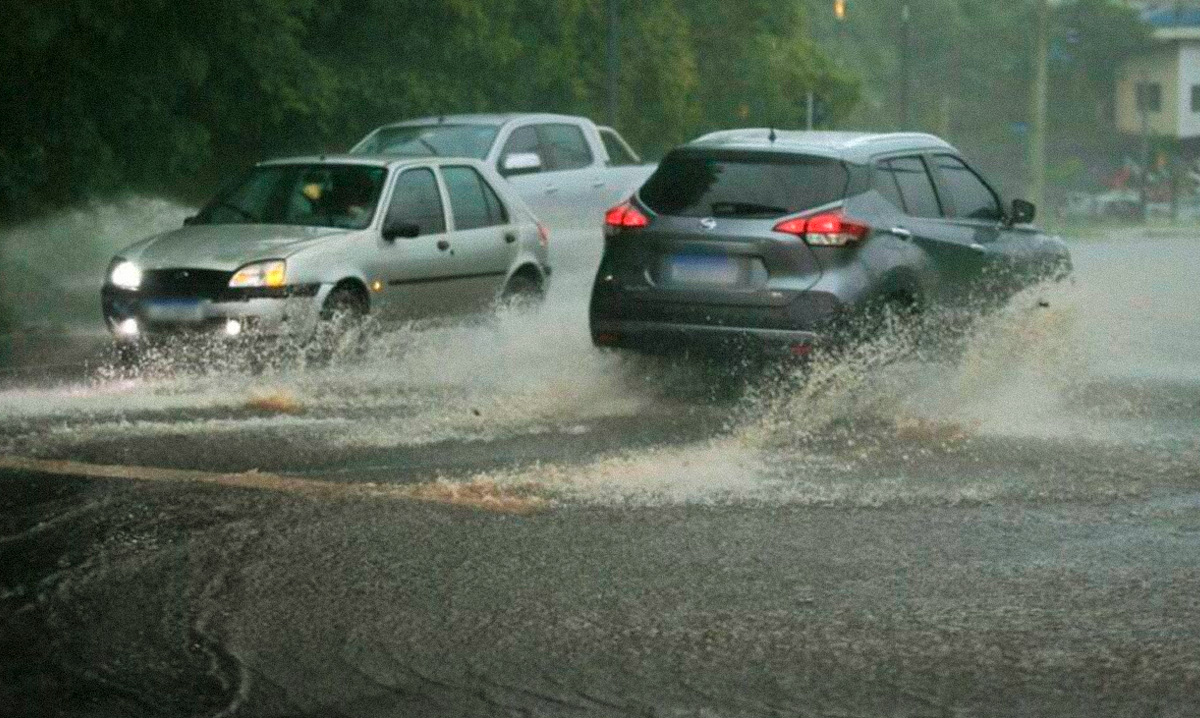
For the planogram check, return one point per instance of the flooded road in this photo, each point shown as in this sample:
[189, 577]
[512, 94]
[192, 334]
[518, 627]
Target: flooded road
[497, 519]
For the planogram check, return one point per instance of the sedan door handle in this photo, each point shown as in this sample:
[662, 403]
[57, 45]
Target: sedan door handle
[551, 190]
[443, 245]
[979, 248]
[900, 232]
[598, 185]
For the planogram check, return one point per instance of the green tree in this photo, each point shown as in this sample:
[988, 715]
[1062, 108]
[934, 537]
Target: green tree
[105, 96]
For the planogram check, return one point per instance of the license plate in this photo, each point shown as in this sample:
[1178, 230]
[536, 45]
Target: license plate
[703, 269]
[174, 310]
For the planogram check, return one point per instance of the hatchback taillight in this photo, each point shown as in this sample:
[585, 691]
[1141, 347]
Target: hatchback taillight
[831, 229]
[625, 216]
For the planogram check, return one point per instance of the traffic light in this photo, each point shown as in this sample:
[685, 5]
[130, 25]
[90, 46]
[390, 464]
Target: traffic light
[839, 9]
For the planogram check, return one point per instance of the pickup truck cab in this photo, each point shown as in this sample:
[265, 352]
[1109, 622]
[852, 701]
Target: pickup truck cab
[567, 169]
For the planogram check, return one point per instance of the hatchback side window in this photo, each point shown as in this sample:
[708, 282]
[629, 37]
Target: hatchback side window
[916, 187]
[473, 202]
[969, 197]
[564, 147]
[886, 185]
[416, 200]
[522, 145]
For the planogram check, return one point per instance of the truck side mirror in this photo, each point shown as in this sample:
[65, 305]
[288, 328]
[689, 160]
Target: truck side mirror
[1022, 212]
[517, 163]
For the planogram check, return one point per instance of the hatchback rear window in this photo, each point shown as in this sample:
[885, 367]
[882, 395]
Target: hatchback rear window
[743, 184]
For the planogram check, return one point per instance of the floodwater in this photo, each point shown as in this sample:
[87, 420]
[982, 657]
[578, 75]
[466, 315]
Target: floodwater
[495, 518]
[1093, 396]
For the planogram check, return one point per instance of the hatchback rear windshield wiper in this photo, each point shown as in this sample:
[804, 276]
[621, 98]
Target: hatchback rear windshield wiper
[740, 209]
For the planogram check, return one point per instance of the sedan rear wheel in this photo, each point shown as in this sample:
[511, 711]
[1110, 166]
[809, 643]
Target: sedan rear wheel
[522, 293]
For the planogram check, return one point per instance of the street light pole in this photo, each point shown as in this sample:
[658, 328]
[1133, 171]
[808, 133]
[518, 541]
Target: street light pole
[613, 64]
[1037, 138]
[904, 18]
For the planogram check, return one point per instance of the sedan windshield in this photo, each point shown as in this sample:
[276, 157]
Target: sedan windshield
[429, 141]
[317, 195]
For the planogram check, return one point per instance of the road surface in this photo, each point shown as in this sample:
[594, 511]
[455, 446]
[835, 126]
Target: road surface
[495, 519]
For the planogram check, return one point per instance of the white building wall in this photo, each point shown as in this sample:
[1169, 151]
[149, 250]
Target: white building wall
[1189, 76]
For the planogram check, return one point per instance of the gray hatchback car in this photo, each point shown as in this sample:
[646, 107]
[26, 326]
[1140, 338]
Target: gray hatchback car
[785, 239]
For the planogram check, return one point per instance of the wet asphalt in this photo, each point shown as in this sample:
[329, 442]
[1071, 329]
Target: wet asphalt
[497, 520]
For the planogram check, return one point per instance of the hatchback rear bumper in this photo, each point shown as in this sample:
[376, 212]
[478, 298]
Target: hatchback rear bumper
[669, 338]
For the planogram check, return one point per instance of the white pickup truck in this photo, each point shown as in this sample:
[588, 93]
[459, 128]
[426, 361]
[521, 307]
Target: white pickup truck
[568, 170]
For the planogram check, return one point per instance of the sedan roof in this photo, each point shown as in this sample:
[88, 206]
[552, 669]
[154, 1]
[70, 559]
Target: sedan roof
[389, 161]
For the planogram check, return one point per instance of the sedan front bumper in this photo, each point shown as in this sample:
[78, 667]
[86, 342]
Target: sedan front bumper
[132, 315]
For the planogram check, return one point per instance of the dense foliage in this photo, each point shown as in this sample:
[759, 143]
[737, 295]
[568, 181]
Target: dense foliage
[100, 96]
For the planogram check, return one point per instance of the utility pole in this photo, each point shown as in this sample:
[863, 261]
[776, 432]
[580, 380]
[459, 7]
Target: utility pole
[613, 64]
[904, 19]
[1041, 83]
[1141, 93]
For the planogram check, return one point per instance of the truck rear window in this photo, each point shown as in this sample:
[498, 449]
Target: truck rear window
[742, 184]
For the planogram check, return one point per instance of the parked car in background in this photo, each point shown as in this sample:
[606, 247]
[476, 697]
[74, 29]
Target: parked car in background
[792, 239]
[1124, 204]
[567, 169]
[301, 244]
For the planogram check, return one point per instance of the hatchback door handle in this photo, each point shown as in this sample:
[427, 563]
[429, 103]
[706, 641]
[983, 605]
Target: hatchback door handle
[551, 190]
[510, 237]
[443, 245]
[598, 185]
[979, 248]
[900, 232]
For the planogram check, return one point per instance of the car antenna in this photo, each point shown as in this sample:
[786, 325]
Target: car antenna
[771, 135]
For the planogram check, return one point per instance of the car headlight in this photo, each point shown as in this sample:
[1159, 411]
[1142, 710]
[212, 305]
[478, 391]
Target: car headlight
[125, 274]
[260, 274]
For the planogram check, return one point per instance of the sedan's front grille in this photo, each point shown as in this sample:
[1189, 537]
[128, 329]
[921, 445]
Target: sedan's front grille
[200, 283]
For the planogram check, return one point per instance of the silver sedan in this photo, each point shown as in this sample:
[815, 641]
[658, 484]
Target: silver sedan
[303, 240]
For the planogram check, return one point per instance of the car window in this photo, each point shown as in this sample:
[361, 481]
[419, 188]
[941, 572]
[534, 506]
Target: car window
[473, 203]
[441, 140]
[886, 184]
[968, 196]
[311, 195]
[564, 147]
[618, 155]
[416, 199]
[523, 140]
[742, 184]
[496, 211]
[916, 187]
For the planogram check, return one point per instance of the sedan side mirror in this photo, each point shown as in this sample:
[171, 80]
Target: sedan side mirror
[393, 229]
[1022, 212]
[520, 163]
